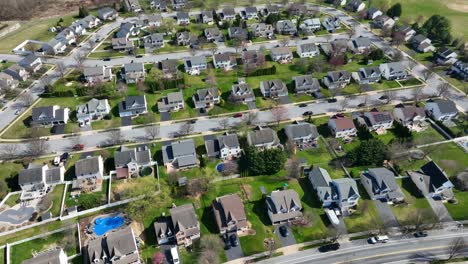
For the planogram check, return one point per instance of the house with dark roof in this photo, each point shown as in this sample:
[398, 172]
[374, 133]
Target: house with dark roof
[355, 6]
[184, 38]
[18, 72]
[310, 25]
[206, 17]
[169, 68]
[228, 13]
[409, 115]
[446, 56]
[127, 30]
[263, 138]
[342, 126]
[380, 184]
[250, 12]
[226, 61]
[331, 23]
[394, 71]
[337, 79]
[133, 5]
[273, 88]
[172, 102]
[286, 27]
[94, 109]
[133, 106]
[130, 161]
[153, 41]
[122, 44]
[50, 115]
[180, 154]
[253, 58]
[134, 72]
[183, 18]
[31, 62]
[178, 4]
[270, 9]
[7, 81]
[307, 50]
[281, 55]
[49, 256]
[194, 65]
[361, 45]
[237, 33]
[160, 5]
[262, 30]
[181, 227]
[383, 21]
[36, 180]
[242, 92]
[373, 12]
[407, 31]
[96, 74]
[342, 194]
[107, 13]
[432, 182]
[206, 98]
[284, 206]
[302, 134]
[367, 75]
[213, 34]
[441, 109]
[224, 146]
[230, 214]
[460, 70]
[375, 120]
[90, 167]
[305, 84]
[422, 44]
[118, 246]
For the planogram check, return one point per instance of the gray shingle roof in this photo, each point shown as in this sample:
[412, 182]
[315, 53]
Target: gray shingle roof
[346, 187]
[446, 106]
[184, 219]
[86, 166]
[134, 67]
[300, 130]
[140, 155]
[51, 256]
[319, 177]
[182, 152]
[262, 136]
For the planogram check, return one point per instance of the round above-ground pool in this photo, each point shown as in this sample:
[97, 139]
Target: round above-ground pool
[219, 167]
[104, 224]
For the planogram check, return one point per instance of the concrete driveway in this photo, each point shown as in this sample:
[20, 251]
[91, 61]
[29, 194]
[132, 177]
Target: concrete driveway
[386, 214]
[166, 250]
[284, 100]
[234, 252]
[440, 210]
[126, 121]
[285, 241]
[165, 116]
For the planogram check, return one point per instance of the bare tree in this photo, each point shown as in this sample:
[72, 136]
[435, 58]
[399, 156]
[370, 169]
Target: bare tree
[213, 50]
[389, 96]
[115, 137]
[186, 129]
[27, 99]
[417, 94]
[224, 123]
[197, 186]
[61, 69]
[426, 74]
[284, 41]
[344, 103]
[37, 147]
[79, 59]
[442, 89]
[230, 168]
[9, 151]
[334, 92]
[152, 132]
[251, 118]
[293, 169]
[271, 246]
[279, 113]
[398, 38]
[456, 248]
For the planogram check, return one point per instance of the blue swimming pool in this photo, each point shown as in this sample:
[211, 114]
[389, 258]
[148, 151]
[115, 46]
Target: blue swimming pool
[219, 167]
[104, 224]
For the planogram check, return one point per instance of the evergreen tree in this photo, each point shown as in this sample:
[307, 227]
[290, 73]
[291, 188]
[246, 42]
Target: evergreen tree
[394, 11]
[369, 152]
[402, 132]
[437, 28]
[363, 133]
[82, 12]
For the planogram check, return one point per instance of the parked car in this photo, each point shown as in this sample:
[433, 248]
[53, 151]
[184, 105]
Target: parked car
[106, 59]
[332, 100]
[420, 234]
[227, 244]
[284, 231]
[378, 239]
[307, 113]
[175, 255]
[78, 147]
[193, 121]
[302, 105]
[329, 247]
[238, 115]
[139, 56]
[234, 241]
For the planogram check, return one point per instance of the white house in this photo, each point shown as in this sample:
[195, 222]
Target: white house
[94, 109]
[441, 109]
[341, 126]
[307, 50]
[225, 147]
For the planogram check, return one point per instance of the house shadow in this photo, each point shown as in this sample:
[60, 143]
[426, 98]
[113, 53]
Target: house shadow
[70, 173]
[309, 197]
[260, 209]
[409, 186]
[12, 181]
[208, 220]
[282, 136]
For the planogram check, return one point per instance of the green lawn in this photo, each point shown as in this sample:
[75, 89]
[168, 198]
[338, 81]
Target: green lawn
[13, 199]
[365, 216]
[56, 197]
[8, 173]
[458, 211]
[450, 157]
[100, 196]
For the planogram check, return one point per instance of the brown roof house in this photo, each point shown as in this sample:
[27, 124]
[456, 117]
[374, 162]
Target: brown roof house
[229, 213]
[284, 206]
[181, 227]
[341, 126]
[409, 115]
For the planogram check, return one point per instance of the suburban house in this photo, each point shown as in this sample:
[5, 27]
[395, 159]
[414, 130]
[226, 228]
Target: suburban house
[133, 6]
[263, 138]
[194, 65]
[331, 24]
[133, 72]
[310, 25]
[36, 180]
[393, 71]
[307, 50]
[241, 92]
[336, 79]
[383, 21]
[172, 102]
[169, 68]
[122, 44]
[341, 126]
[446, 56]
[273, 88]
[339, 46]
[127, 30]
[238, 33]
[361, 45]
[54, 46]
[302, 134]
[107, 13]
[297, 9]
[94, 109]
[49, 256]
[409, 115]
[286, 27]
[89, 172]
[226, 61]
[154, 20]
[224, 146]
[78, 27]
[180, 154]
[66, 36]
[154, 41]
[375, 120]
[373, 12]
[230, 214]
[7, 81]
[206, 17]
[380, 184]
[206, 98]
[270, 9]
[355, 6]
[253, 58]
[118, 246]
[250, 12]
[441, 109]
[338, 193]
[184, 38]
[228, 13]
[133, 106]
[31, 62]
[262, 30]
[183, 18]
[367, 75]
[89, 22]
[18, 72]
[178, 4]
[407, 31]
[460, 69]
[50, 115]
[281, 55]
[284, 206]
[182, 227]
[432, 181]
[97, 74]
[305, 84]
[422, 44]
[130, 161]
[160, 5]
[213, 34]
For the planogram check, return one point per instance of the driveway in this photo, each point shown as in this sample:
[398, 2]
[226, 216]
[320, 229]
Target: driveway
[251, 105]
[285, 241]
[284, 100]
[165, 116]
[234, 252]
[386, 214]
[126, 121]
[166, 250]
[58, 129]
[440, 210]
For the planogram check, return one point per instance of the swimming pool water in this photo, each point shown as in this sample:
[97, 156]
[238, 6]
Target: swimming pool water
[104, 224]
[219, 167]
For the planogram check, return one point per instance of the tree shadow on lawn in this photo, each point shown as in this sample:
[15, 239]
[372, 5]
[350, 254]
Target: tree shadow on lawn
[260, 209]
[309, 196]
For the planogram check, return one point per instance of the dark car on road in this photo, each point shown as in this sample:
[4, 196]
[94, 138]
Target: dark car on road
[106, 59]
[420, 234]
[284, 231]
[329, 247]
[332, 100]
[302, 105]
[234, 241]
[307, 113]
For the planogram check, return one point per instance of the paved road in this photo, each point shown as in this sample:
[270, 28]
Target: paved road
[359, 252]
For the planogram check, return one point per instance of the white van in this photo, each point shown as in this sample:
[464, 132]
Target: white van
[175, 255]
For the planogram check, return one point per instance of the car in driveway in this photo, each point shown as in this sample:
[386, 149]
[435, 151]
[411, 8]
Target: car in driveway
[284, 231]
[378, 239]
[329, 247]
[420, 234]
[234, 241]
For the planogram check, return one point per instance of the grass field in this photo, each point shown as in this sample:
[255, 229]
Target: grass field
[56, 197]
[452, 158]
[458, 211]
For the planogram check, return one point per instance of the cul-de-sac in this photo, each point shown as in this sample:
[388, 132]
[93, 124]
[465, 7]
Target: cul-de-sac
[233, 131]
